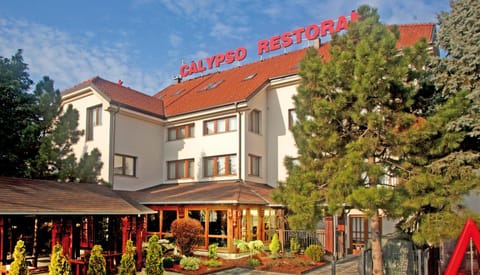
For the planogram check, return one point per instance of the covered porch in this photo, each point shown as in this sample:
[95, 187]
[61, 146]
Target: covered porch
[227, 210]
[75, 215]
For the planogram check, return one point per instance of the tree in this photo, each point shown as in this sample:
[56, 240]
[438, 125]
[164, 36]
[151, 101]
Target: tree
[127, 263]
[59, 264]
[19, 265]
[17, 114]
[56, 159]
[187, 232]
[444, 149]
[36, 135]
[274, 245]
[153, 262]
[96, 263]
[350, 112]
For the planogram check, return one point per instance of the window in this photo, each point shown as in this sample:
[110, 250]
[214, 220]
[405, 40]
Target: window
[254, 168]
[220, 166]
[221, 125]
[181, 132]
[94, 118]
[125, 165]
[292, 118]
[211, 85]
[255, 118]
[250, 76]
[180, 169]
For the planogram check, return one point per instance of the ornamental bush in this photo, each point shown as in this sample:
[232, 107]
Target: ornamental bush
[253, 247]
[314, 252]
[19, 264]
[153, 262]
[274, 245]
[168, 262]
[190, 263]
[127, 263]
[294, 245]
[213, 251]
[212, 263]
[96, 263]
[187, 232]
[59, 264]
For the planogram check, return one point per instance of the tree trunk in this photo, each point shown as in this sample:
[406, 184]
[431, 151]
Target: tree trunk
[377, 255]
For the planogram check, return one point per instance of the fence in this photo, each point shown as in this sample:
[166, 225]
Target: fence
[399, 261]
[304, 237]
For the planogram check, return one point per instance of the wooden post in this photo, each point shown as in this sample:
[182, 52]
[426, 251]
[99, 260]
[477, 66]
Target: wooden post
[125, 226]
[140, 233]
[2, 235]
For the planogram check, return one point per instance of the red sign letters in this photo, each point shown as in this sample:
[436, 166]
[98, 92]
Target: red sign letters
[276, 42]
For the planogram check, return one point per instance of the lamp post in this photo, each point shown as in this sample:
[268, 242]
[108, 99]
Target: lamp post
[334, 253]
[345, 210]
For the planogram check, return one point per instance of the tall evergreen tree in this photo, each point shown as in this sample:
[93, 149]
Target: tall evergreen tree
[37, 137]
[350, 111]
[17, 114]
[444, 149]
[459, 70]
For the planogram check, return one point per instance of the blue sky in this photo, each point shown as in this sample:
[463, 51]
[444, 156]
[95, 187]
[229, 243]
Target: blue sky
[143, 42]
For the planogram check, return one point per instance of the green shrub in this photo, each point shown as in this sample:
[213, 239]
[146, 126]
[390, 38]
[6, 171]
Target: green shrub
[176, 259]
[314, 252]
[253, 262]
[168, 262]
[212, 251]
[153, 261]
[127, 263]
[190, 263]
[97, 264]
[19, 264]
[212, 263]
[294, 245]
[187, 232]
[59, 264]
[253, 247]
[274, 245]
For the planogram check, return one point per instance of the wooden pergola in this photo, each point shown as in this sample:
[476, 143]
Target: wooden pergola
[76, 215]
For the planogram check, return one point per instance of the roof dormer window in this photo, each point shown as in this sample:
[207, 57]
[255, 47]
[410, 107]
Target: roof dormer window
[250, 76]
[210, 86]
[178, 92]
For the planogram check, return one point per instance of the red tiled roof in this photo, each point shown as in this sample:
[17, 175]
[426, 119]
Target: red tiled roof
[411, 33]
[221, 192]
[26, 196]
[122, 95]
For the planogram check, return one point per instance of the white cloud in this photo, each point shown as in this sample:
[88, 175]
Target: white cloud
[69, 60]
[175, 40]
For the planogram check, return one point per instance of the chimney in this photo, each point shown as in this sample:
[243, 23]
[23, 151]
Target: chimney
[316, 43]
[120, 82]
[177, 79]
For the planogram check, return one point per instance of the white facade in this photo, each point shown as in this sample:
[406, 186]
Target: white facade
[133, 134]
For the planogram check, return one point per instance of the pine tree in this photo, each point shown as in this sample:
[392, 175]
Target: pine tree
[127, 263]
[56, 159]
[36, 135]
[19, 265]
[153, 263]
[17, 114]
[274, 245]
[350, 111]
[444, 149]
[97, 263]
[59, 264]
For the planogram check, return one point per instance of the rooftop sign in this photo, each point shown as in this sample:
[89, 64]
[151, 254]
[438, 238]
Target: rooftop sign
[274, 43]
